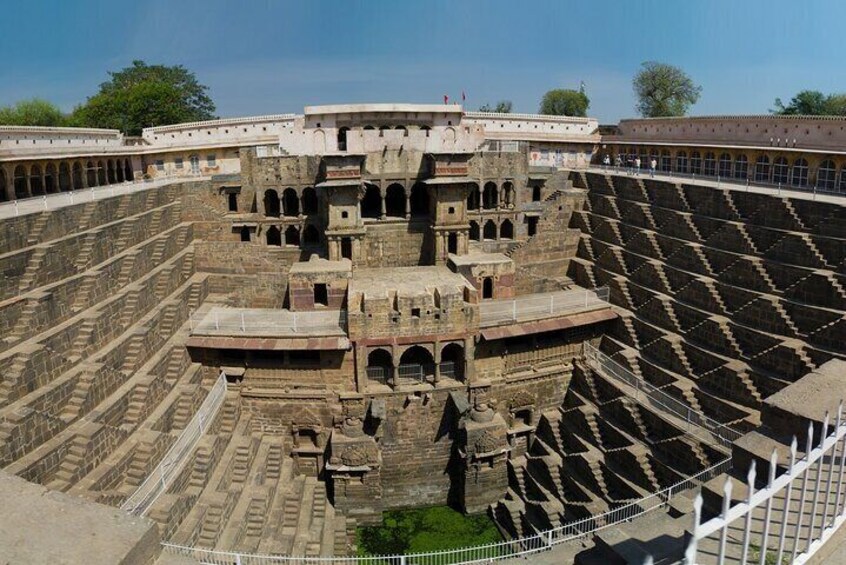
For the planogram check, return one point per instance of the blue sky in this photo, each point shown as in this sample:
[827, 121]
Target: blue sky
[269, 56]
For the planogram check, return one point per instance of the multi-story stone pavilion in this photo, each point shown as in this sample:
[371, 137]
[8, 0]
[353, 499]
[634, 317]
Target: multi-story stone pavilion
[252, 335]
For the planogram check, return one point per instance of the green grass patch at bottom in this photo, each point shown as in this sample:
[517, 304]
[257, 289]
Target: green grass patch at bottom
[423, 530]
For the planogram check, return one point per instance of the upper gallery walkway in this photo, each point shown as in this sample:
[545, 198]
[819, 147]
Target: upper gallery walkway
[728, 183]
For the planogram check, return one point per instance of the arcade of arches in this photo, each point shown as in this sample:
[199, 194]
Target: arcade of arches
[25, 180]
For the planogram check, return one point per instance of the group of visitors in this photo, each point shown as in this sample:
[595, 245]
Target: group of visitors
[632, 164]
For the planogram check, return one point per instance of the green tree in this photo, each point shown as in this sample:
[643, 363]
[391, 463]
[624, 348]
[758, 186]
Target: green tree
[663, 90]
[502, 107]
[812, 103]
[32, 112]
[565, 102]
[144, 95]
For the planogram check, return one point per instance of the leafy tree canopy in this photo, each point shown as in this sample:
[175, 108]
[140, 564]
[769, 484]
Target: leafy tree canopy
[565, 102]
[812, 103]
[32, 112]
[144, 95]
[502, 107]
[663, 90]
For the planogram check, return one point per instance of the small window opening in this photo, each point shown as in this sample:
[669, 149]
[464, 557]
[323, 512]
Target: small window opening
[321, 294]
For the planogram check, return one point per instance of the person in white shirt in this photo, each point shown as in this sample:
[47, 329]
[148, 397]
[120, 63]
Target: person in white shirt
[653, 164]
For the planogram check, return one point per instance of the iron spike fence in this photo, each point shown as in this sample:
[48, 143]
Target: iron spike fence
[168, 468]
[788, 520]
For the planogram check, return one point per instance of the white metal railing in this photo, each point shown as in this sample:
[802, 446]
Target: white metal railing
[694, 422]
[266, 321]
[810, 500]
[488, 553]
[541, 305]
[504, 146]
[168, 468]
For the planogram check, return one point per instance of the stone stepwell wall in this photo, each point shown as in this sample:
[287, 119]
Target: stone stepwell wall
[727, 296]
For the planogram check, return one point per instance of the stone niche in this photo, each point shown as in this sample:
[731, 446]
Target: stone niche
[485, 451]
[492, 274]
[353, 472]
[318, 284]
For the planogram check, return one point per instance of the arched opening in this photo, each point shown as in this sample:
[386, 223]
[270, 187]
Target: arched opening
[273, 236]
[3, 196]
[762, 169]
[369, 128]
[271, 203]
[119, 171]
[77, 175]
[452, 361]
[452, 243]
[309, 201]
[508, 193]
[127, 170]
[51, 183]
[311, 236]
[780, 170]
[90, 173]
[245, 233]
[490, 196]
[474, 199]
[342, 138]
[371, 204]
[110, 172]
[695, 163]
[741, 167]
[419, 200]
[536, 193]
[506, 230]
[487, 287]
[101, 173]
[20, 182]
[666, 161]
[489, 231]
[681, 162]
[35, 183]
[395, 201]
[800, 173]
[709, 165]
[346, 248]
[826, 175]
[64, 177]
[290, 202]
[379, 365]
[427, 129]
[725, 165]
[416, 364]
[292, 236]
[475, 235]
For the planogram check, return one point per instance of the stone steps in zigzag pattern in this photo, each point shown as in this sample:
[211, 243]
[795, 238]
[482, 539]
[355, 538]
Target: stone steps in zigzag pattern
[600, 183]
[36, 259]
[819, 288]
[604, 205]
[34, 235]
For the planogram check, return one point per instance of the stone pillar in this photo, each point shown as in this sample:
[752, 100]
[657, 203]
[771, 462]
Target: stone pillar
[361, 369]
[384, 212]
[437, 357]
[27, 176]
[485, 445]
[469, 360]
[43, 175]
[10, 184]
[408, 204]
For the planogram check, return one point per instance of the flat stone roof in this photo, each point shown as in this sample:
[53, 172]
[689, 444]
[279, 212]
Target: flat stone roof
[392, 108]
[814, 394]
[320, 265]
[44, 526]
[479, 259]
[405, 281]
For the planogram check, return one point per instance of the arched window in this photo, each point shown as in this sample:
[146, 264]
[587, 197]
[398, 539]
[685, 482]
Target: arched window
[110, 171]
[380, 366]
[800, 173]
[452, 361]
[725, 165]
[311, 236]
[127, 173]
[51, 183]
[101, 173]
[346, 248]
[666, 161]
[371, 204]
[487, 287]
[709, 165]
[20, 182]
[395, 201]
[506, 230]
[292, 236]
[427, 129]
[489, 231]
[271, 203]
[416, 364]
[474, 231]
[273, 237]
[119, 171]
[35, 180]
[741, 167]
[245, 233]
[508, 193]
[64, 177]
[681, 162]
[91, 173]
[77, 175]
[695, 163]
[309, 201]
[342, 138]
[419, 200]
[452, 242]
[762, 169]
[290, 202]
[826, 175]
[780, 170]
[490, 196]
[474, 198]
